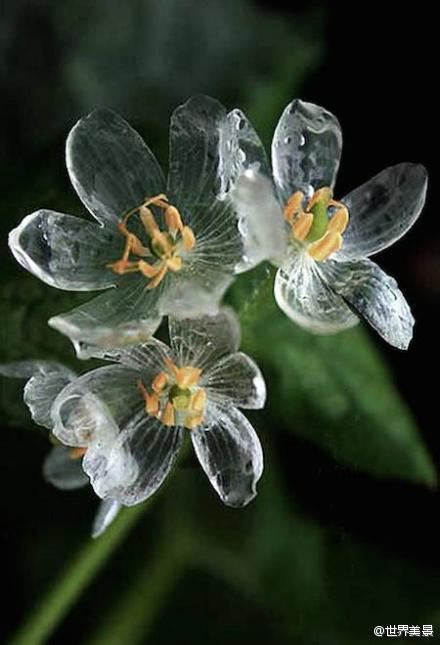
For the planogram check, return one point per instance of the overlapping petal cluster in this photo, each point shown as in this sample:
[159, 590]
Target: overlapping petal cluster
[171, 248]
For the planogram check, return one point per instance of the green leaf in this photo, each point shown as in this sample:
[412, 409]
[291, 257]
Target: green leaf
[335, 391]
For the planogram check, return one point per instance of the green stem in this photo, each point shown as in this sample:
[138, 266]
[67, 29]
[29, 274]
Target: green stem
[75, 578]
[132, 618]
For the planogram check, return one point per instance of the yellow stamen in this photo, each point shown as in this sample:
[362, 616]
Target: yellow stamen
[324, 195]
[188, 238]
[339, 220]
[173, 219]
[192, 422]
[77, 453]
[198, 401]
[159, 382]
[174, 263]
[168, 417]
[323, 248]
[293, 206]
[158, 278]
[302, 225]
[148, 220]
[186, 377]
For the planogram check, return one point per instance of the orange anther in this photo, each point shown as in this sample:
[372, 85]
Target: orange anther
[198, 400]
[188, 238]
[323, 248]
[302, 225]
[187, 377]
[293, 206]
[77, 453]
[173, 219]
[159, 382]
[167, 417]
[339, 220]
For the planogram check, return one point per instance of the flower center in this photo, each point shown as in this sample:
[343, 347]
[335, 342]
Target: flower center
[163, 249]
[318, 230]
[175, 397]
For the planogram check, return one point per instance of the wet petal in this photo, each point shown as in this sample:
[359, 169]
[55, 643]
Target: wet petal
[236, 379]
[240, 150]
[154, 448]
[107, 511]
[64, 251]
[63, 472]
[383, 209]
[148, 358]
[122, 316]
[375, 296]
[261, 222]
[306, 149]
[302, 292]
[46, 380]
[230, 453]
[110, 166]
[128, 453]
[201, 342]
[194, 183]
[196, 292]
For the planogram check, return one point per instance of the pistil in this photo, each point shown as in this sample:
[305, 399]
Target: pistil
[320, 233]
[175, 397]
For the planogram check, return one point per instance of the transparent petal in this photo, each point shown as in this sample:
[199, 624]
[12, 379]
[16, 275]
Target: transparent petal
[383, 209]
[147, 358]
[261, 222]
[236, 379]
[194, 184]
[64, 251]
[63, 472]
[230, 453]
[128, 453]
[110, 166]
[46, 380]
[301, 291]
[306, 149]
[107, 512]
[201, 342]
[122, 316]
[240, 150]
[154, 448]
[196, 292]
[375, 296]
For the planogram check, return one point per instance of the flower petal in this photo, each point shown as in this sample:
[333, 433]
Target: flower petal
[108, 509]
[64, 251]
[110, 166]
[63, 472]
[201, 342]
[122, 316]
[261, 223]
[194, 184]
[46, 380]
[240, 149]
[230, 453]
[128, 453]
[301, 291]
[236, 379]
[196, 292]
[154, 448]
[306, 149]
[375, 296]
[383, 209]
[147, 358]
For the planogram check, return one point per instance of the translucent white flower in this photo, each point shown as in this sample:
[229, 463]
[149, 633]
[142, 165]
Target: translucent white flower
[62, 467]
[325, 278]
[157, 247]
[130, 417]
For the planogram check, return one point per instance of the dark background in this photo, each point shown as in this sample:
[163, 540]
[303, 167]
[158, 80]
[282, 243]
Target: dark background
[371, 64]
